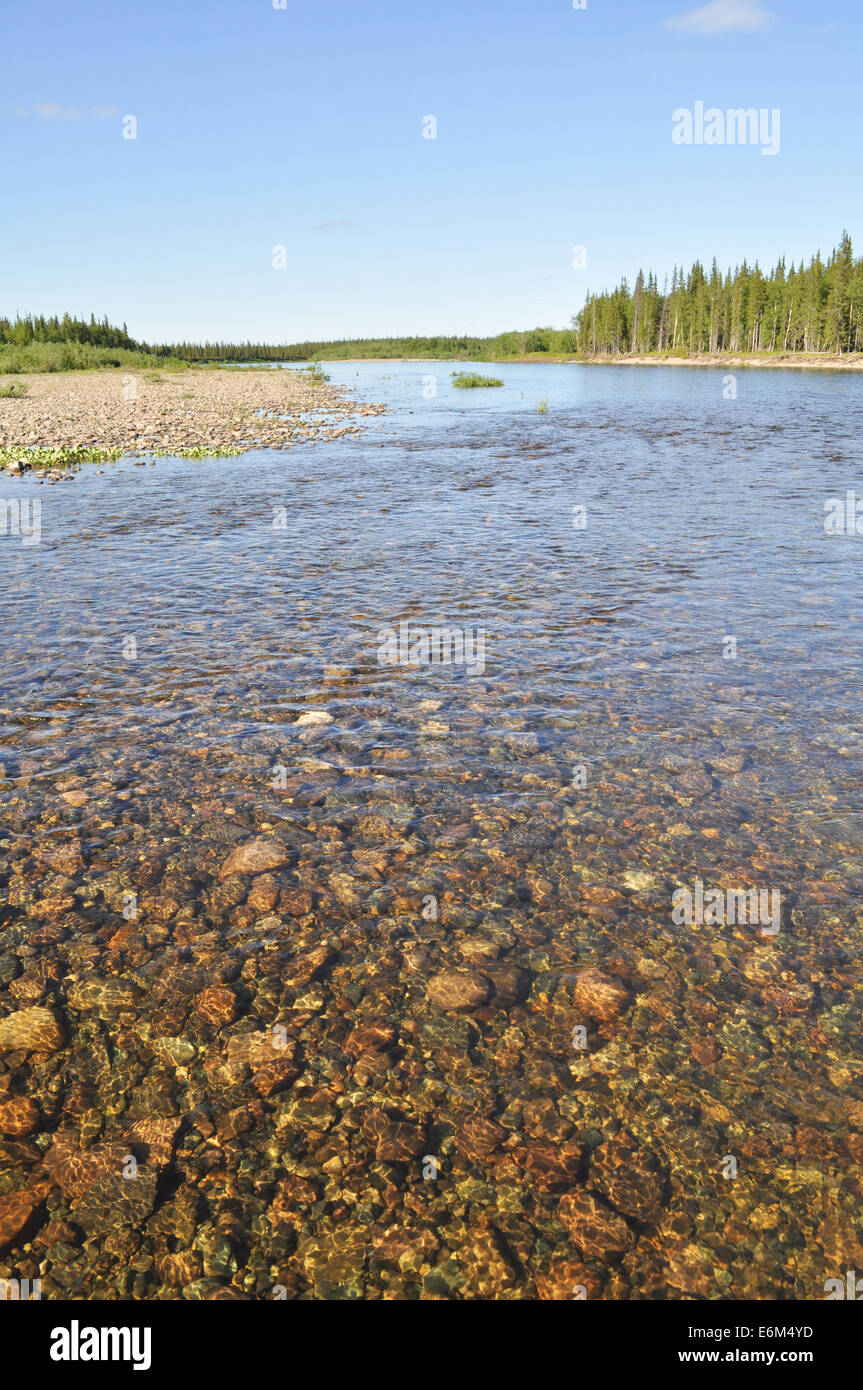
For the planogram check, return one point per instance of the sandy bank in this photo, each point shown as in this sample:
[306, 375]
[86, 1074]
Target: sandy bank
[852, 362]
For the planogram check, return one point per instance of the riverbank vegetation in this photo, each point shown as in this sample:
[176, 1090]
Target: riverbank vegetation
[34, 343]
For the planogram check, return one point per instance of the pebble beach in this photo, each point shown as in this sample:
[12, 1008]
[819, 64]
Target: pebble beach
[213, 409]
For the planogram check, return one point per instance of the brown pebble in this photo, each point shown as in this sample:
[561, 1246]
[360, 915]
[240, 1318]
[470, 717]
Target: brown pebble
[454, 990]
[16, 1211]
[254, 857]
[601, 996]
[19, 1117]
[32, 1030]
[217, 1005]
[598, 1232]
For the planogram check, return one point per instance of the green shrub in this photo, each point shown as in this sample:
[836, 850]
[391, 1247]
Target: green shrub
[78, 357]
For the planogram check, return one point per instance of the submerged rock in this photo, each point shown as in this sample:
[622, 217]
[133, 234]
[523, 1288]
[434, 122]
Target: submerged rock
[568, 1279]
[103, 996]
[370, 1037]
[479, 1137]
[601, 996]
[456, 990]
[16, 1211]
[408, 1249]
[629, 1177]
[19, 1117]
[178, 1051]
[255, 857]
[32, 1030]
[599, 1233]
[396, 1141]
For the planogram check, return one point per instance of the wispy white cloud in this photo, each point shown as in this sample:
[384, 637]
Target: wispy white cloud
[724, 17]
[328, 226]
[52, 111]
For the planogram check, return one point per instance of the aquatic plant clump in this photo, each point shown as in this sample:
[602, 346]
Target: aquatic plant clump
[223, 451]
[60, 457]
[467, 381]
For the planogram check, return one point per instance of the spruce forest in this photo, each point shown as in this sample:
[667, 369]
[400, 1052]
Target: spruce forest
[814, 308]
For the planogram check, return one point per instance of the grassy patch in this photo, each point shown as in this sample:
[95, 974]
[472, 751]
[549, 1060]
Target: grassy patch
[467, 381]
[14, 391]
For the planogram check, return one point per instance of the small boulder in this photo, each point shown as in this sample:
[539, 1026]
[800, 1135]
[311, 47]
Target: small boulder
[630, 1177]
[19, 1117]
[16, 1212]
[254, 857]
[600, 1234]
[600, 996]
[458, 991]
[32, 1030]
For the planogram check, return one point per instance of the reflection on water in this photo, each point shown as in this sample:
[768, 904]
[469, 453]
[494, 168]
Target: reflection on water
[435, 1032]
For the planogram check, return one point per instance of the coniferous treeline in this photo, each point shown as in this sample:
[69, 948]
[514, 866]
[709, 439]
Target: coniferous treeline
[445, 348]
[21, 331]
[814, 308]
[807, 308]
[224, 352]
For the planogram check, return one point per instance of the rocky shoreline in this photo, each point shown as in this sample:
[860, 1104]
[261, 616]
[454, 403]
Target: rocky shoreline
[209, 410]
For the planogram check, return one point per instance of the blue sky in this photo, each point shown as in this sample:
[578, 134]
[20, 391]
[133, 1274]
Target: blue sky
[302, 127]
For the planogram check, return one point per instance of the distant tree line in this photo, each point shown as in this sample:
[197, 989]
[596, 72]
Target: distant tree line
[807, 308]
[227, 352]
[444, 348]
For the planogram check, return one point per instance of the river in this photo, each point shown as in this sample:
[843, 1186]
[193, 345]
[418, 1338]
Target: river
[470, 1030]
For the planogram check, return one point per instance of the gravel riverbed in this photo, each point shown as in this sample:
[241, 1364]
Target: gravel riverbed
[152, 410]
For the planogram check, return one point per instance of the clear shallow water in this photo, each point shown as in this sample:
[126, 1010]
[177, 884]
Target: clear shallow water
[558, 1166]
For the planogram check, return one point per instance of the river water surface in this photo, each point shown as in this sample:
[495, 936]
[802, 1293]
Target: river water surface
[450, 1038]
